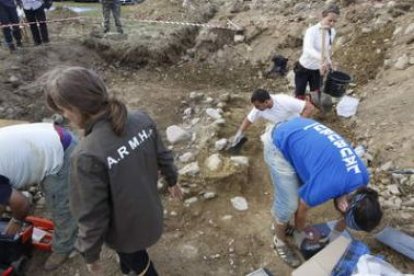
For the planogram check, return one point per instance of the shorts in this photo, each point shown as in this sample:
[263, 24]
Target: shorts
[303, 76]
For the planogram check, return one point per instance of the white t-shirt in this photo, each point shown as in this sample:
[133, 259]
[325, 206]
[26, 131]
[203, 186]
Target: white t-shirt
[284, 108]
[32, 4]
[29, 152]
[312, 47]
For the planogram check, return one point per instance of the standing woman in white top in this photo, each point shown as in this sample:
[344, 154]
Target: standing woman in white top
[315, 60]
[35, 15]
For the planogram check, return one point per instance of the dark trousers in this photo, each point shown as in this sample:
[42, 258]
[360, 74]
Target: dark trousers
[39, 33]
[115, 7]
[303, 76]
[8, 15]
[137, 262]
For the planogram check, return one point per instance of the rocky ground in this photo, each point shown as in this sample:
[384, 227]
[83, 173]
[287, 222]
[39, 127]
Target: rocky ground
[196, 83]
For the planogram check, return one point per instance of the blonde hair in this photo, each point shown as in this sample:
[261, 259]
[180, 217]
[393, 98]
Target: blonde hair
[331, 8]
[82, 89]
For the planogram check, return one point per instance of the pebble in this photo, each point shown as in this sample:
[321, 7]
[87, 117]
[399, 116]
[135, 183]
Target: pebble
[239, 203]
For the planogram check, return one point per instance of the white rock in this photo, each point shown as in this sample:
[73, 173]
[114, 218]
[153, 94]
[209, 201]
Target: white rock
[386, 166]
[187, 157]
[196, 96]
[41, 202]
[409, 29]
[224, 97]
[209, 100]
[190, 201]
[393, 189]
[220, 144]
[13, 79]
[411, 61]
[397, 202]
[173, 213]
[160, 184]
[402, 62]
[291, 78]
[214, 162]
[213, 113]
[177, 134]
[239, 38]
[239, 203]
[28, 195]
[190, 170]
[220, 122]
[188, 111]
[240, 160]
[221, 105]
[227, 217]
[209, 195]
[397, 31]
[195, 121]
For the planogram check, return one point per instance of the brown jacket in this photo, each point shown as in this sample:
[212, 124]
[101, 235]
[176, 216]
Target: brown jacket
[114, 192]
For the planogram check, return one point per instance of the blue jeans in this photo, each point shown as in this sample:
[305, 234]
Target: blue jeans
[285, 182]
[56, 190]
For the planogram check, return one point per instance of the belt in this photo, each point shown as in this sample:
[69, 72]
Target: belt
[64, 136]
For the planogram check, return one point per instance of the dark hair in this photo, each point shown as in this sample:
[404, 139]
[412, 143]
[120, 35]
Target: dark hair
[367, 211]
[260, 95]
[82, 89]
[331, 8]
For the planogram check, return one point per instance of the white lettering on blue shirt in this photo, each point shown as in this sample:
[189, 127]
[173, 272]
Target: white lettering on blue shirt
[348, 156]
[133, 144]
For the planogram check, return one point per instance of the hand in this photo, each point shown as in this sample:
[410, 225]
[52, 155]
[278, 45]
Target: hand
[236, 138]
[95, 268]
[312, 234]
[176, 191]
[12, 228]
[324, 69]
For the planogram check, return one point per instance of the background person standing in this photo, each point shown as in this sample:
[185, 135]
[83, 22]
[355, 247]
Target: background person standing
[315, 60]
[113, 6]
[8, 15]
[35, 14]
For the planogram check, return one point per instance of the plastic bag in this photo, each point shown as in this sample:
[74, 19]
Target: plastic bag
[371, 265]
[347, 106]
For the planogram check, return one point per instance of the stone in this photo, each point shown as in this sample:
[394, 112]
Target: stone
[41, 202]
[188, 111]
[402, 62]
[209, 100]
[190, 170]
[227, 217]
[209, 195]
[13, 79]
[213, 113]
[225, 97]
[409, 29]
[397, 31]
[190, 201]
[386, 166]
[177, 134]
[220, 122]
[187, 157]
[240, 160]
[411, 61]
[196, 96]
[220, 144]
[408, 203]
[28, 195]
[195, 121]
[239, 38]
[393, 189]
[213, 162]
[239, 203]
[221, 105]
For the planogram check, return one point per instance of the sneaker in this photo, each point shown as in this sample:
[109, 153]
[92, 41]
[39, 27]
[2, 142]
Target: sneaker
[55, 260]
[287, 254]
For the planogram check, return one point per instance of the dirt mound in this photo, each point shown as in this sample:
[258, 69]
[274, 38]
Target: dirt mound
[21, 98]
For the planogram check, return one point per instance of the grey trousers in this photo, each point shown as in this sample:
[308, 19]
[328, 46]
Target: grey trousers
[56, 190]
[115, 7]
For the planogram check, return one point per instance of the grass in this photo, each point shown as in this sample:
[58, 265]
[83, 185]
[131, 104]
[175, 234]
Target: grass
[96, 8]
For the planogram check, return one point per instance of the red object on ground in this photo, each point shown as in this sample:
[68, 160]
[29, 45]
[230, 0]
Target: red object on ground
[44, 244]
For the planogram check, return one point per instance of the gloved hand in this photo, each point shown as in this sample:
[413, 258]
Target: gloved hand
[236, 138]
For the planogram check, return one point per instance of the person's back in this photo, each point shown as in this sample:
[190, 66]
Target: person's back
[326, 165]
[129, 165]
[29, 152]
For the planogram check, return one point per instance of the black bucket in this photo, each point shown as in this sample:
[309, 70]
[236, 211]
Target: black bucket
[336, 83]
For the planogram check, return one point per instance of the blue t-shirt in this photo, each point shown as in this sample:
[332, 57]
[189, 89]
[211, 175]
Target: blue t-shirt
[326, 165]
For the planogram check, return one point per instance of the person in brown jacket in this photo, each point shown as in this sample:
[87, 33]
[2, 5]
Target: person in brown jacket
[114, 171]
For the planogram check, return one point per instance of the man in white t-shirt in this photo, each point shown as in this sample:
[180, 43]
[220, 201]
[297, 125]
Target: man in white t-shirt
[273, 108]
[38, 154]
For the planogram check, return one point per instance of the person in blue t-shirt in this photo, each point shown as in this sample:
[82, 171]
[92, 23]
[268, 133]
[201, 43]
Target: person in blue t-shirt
[310, 164]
